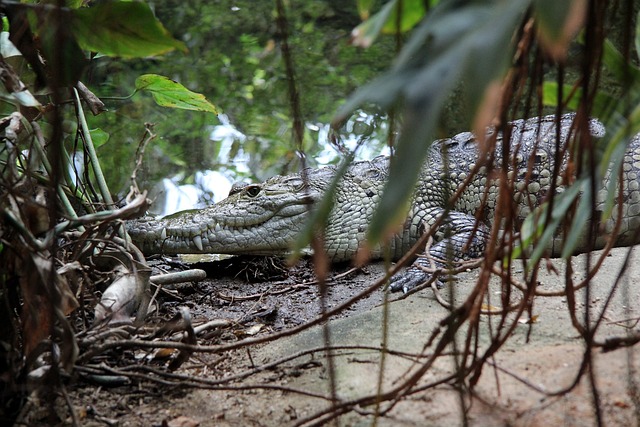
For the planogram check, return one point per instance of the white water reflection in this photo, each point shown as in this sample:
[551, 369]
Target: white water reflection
[210, 186]
[213, 186]
[360, 124]
[227, 134]
[174, 197]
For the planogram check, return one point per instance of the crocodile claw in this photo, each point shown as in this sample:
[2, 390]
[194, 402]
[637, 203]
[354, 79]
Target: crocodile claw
[409, 279]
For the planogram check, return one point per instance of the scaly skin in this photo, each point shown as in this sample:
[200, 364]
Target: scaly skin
[265, 219]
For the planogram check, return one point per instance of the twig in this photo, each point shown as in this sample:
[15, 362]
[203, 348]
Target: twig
[614, 343]
[211, 324]
[192, 275]
[146, 139]
[518, 377]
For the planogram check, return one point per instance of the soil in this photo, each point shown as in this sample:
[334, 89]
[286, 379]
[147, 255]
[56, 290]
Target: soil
[526, 383]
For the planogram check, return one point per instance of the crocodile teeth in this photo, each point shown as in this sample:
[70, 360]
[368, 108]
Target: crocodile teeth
[163, 234]
[197, 240]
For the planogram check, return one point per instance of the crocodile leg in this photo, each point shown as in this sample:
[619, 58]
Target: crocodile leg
[459, 238]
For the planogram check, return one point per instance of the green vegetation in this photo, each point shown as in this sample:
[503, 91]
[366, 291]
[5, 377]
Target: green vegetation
[428, 68]
[234, 59]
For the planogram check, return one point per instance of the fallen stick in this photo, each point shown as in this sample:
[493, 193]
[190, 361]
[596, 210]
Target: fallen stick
[193, 275]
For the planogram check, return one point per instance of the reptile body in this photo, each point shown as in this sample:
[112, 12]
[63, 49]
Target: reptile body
[266, 218]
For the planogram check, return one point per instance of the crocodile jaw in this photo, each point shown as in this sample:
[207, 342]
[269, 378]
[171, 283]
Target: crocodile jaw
[273, 235]
[262, 224]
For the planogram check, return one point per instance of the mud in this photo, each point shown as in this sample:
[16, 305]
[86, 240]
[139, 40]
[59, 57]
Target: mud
[527, 383]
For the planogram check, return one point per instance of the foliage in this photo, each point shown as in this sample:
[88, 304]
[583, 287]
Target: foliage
[234, 60]
[479, 52]
[55, 204]
[123, 29]
[396, 16]
[168, 93]
[467, 43]
[622, 119]
[473, 43]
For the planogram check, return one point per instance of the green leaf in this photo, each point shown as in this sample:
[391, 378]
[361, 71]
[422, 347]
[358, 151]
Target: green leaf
[415, 140]
[168, 93]
[620, 130]
[412, 11]
[121, 28]
[74, 4]
[365, 34]
[99, 137]
[43, 32]
[364, 8]
[637, 37]
[469, 44]
[615, 63]
[580, 219]
[558, 22]
[386, 20]
[535, 231]
[572, 97]
[551, 16]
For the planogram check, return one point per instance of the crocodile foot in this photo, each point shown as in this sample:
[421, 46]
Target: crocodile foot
[410, 278]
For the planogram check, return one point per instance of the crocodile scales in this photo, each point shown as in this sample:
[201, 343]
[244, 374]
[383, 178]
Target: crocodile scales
[266, 218]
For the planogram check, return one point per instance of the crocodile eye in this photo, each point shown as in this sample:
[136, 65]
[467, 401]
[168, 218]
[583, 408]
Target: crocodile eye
[237, 187]
[253, 190]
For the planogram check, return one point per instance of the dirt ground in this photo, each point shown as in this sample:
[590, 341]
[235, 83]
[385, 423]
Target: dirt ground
[524, 384]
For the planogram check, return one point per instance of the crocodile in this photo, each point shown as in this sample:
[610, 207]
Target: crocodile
[266, 218]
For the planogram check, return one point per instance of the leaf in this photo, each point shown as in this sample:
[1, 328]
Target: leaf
[412, 11]
[7, 49]
[469, 44]
[23, 38]
[386, 20]
[488, 308]
[622, 70]
[412, 147]
[25, 98]
[99, 137]
[529, 321]
[620, 132]
[164, 353]
[364, 8]
[65, 60]
[558, 23]
[168, 93]
[122, 28]
[35, 285]
[572, 98]
[43, 33]
[580, 220]
[537, 232]
[365, 34]
[637, 37]
[124, 295]
[74, 4]
[14, 86]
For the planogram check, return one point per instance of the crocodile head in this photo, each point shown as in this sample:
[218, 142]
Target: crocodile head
[259, 219]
